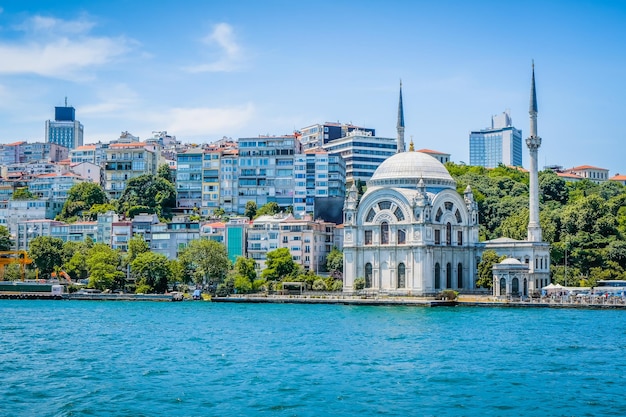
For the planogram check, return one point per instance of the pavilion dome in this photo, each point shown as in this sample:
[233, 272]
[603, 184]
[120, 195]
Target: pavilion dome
[406, 169]
[511, 261]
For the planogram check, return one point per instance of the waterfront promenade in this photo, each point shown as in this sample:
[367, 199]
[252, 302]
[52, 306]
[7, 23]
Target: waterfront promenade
[597, 302]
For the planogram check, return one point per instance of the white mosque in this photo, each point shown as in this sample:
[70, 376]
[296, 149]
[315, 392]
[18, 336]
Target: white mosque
[411, 233]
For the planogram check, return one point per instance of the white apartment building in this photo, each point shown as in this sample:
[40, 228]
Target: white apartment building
[362, 153]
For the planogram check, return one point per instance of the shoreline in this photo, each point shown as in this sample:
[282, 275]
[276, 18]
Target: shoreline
[331, 299]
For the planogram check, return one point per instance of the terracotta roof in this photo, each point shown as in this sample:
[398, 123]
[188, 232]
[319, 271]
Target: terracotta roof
[86, 148]
[569, 175]
[127, 145]
[583, 167]
[16, 143]
[216, 225]
[618, 177]
[55, 174]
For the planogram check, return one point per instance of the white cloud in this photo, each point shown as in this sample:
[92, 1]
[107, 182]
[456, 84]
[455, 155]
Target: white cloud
[45, 24]
[58, 48]
[229, 53]
[206, 121]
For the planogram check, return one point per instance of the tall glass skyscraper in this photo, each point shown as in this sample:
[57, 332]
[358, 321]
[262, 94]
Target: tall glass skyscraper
[500, 144]
[64, 130]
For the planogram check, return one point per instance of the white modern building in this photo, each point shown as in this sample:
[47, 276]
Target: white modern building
[362, 153]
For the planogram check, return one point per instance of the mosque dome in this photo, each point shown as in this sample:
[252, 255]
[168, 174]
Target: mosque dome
[406, 169]
[511, 261]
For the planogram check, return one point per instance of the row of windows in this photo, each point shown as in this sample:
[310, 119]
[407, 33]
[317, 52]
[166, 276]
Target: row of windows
[401, 283]
[459, 236]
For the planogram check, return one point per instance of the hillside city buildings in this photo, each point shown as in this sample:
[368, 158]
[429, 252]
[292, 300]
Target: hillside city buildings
[308, 174]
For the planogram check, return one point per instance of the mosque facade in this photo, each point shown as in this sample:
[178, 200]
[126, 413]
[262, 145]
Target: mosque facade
[412, 233]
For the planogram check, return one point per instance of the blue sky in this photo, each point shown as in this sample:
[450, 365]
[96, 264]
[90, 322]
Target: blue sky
[206, 69]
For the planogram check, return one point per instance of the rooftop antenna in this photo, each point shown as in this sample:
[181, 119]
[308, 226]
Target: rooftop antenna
[65, 101]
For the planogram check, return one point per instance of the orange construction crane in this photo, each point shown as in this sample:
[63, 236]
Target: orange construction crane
[9, 257]
[63, 274]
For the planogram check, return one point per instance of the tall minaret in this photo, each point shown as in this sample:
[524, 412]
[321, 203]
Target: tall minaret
[533, 142]
[400, 125]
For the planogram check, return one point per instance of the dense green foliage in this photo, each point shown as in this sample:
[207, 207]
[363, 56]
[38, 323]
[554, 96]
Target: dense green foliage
[164, 171]
[47, 254]
[334, 263]
[81, 199]
[485, 268]
[6, 243]
[23, 194]
[270, 209]
[151, 271]
[103, 264]
[148, 194]
[250, 211]
[279, 265]
[205, 261]
[583, 219]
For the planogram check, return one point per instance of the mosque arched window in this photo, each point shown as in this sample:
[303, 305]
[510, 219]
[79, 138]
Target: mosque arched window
[437, 276]
[384, 233]
[384, 205]
[448, 205]
[401, 237]
[370, 215]
[401, 276]
[515, 286]
[502, 286]
[449, 275]
[457, 214]
[368, 275]
[459, 276]
[399, 214]
[438, 215]
[448, 234]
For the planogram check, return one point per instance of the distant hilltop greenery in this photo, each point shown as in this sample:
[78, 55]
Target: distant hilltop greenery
[584, 222]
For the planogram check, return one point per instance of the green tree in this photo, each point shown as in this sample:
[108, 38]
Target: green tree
[165, 172]
[23, 194]
[80, 199]
[208, 259]
[250, 211]
[137, 245]
[75, 258]
[6, 243]
[485, 268]
[150, 192]
[151, 270]
[96, 209]
[553, 187]
[334, 263]
[246, 268]
[47, 254]
[268, 209]
[279, 265]
[103, 264]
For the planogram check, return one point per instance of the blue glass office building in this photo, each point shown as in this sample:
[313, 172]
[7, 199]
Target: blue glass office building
[500, 144]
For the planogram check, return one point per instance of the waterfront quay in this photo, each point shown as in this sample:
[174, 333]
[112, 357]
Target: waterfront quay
[343, 299]
[469, 301]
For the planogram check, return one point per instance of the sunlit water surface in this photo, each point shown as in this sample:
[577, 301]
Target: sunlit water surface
[81, 358]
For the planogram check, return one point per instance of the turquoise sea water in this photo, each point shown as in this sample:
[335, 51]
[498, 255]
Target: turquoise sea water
[73, 358]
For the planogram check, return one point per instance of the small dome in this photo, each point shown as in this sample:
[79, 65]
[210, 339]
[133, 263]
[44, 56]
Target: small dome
[510, 261]
[405, 169]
